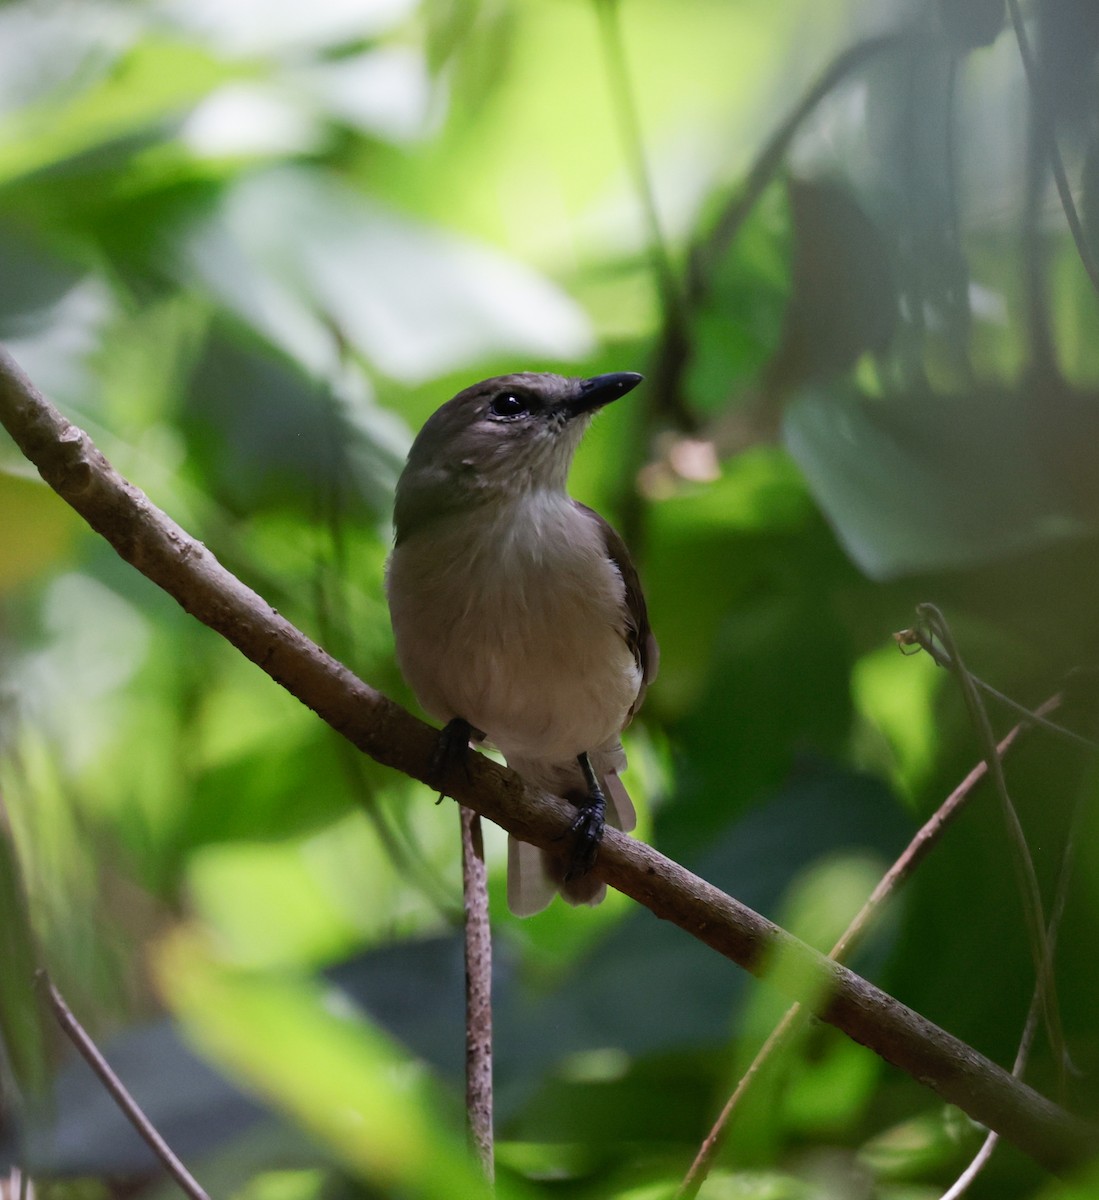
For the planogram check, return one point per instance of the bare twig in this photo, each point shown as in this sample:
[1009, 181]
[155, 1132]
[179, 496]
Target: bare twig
[962, 1183]
[667, 282]
[1030, 893]
[1044, 123]
[731, 219]
[672, 354]
[914, 853]
[117, 1089]
[979, 1161]
[478, 944]
[161, 550]
[625, 103]
[1030, 716]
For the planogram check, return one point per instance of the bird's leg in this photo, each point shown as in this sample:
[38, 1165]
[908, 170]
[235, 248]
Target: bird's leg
[452, 750]
[588, 824]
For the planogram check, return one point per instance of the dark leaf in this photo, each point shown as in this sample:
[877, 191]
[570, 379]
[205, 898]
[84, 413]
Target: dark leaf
[843, 301]
[970, 24]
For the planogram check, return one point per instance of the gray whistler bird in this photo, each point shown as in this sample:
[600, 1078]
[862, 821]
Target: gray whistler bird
[518, 616]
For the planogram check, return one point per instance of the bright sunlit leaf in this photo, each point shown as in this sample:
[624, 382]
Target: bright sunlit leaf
[41, 531]
[303, 1048]
[927, 1142]
[896, 694]
[415, 300]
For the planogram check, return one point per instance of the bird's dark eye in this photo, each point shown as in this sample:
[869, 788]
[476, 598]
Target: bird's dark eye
[507, 404]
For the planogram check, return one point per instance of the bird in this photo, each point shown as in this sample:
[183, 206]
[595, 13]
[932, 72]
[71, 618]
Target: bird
[518, 617]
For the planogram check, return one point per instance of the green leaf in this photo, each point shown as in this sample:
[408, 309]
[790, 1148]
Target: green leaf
[22, 1034]
[324, 1065]
[265, 436]
[414, 300]
[1084, 1186]
[843, 300]
[921, 482]
[708, 548]
[37, 528]
[151, 81]
[931, 1141]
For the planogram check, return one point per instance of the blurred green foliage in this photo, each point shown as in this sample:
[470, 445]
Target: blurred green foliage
[250, 247]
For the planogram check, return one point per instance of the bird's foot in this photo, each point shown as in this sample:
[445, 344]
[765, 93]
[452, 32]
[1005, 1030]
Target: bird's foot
[587, 826]
[452, 752]
[587, 831]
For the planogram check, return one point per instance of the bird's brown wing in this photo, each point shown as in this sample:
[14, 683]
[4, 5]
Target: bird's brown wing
[639, 635]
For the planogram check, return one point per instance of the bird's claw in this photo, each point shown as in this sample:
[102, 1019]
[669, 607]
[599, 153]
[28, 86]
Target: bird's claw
[451, 752]
[587, 831]
[588, 824]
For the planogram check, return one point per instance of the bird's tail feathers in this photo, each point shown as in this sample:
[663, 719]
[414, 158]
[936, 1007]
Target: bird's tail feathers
[534, 875]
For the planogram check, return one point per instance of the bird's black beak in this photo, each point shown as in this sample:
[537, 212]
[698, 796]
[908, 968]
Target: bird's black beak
[602, 389]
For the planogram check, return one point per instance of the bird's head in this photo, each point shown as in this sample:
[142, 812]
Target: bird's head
[503, 436]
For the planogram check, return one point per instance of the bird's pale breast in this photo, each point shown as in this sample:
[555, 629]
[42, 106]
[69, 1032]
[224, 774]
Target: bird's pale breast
[516, 623]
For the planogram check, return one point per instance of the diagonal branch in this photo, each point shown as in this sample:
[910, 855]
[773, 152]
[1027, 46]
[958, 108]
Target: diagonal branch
[144, 536]
[91, 1054]
[924, 840]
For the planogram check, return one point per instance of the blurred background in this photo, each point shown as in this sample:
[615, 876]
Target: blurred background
[249, 247]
